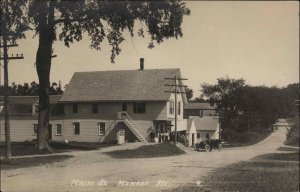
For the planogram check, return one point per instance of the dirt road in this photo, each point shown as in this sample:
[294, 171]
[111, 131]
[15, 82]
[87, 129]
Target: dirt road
[95, 171]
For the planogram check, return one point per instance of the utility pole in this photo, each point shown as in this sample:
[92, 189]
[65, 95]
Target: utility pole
[6, 59]
[175, 91]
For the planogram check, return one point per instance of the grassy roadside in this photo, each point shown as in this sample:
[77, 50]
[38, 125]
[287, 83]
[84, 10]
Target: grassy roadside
[32, 161]
[292, 137]
[147, 151]
[20, 149]
[27, 148]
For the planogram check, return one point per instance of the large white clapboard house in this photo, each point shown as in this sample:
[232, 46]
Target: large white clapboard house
[111, 107]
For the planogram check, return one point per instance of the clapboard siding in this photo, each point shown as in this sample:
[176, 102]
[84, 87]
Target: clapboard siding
[108, 110]
[88, 130]
[212, 135]
[20, 130]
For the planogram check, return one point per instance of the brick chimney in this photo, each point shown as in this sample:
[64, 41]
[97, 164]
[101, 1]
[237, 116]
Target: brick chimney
[141, 63]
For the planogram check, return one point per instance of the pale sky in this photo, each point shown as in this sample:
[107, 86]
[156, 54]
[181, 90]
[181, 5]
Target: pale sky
[257, 41]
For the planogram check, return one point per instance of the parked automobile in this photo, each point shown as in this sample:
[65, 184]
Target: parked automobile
[209, 144]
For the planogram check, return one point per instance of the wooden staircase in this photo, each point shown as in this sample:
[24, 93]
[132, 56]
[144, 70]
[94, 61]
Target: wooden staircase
[131, 125]
[107, 131]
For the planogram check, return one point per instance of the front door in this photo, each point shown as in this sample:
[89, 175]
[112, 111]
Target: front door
[50, 132]
[121, 136]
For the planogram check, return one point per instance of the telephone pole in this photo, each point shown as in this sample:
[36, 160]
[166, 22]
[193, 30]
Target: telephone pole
[6, 59]
[176, 85]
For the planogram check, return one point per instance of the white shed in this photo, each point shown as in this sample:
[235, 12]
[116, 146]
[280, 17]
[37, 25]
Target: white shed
[191, 132]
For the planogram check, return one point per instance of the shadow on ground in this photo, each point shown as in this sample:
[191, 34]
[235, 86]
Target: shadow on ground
[147, 151]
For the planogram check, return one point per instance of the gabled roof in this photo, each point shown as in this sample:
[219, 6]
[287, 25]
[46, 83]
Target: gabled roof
[206, 123]
[120, 85]
[202, 106]
[189, 125]
[29, 100]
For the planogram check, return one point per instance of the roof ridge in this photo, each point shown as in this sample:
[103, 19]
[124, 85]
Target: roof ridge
[120, 70]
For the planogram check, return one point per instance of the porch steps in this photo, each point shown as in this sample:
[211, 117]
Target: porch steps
[134, 130]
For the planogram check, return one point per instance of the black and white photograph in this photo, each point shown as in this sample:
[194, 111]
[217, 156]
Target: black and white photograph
[154, 96]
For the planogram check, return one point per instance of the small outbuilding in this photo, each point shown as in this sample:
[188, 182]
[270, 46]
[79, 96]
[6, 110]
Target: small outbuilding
[207, 127]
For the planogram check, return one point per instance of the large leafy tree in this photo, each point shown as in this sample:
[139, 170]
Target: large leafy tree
[226, 96]
[189, 93]
[68, 21]
[249, 108]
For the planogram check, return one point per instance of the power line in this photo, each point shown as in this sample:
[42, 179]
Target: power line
[6, 59]
[175, 91]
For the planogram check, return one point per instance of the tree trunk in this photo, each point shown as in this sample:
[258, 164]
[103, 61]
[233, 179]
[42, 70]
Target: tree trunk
[43, 66]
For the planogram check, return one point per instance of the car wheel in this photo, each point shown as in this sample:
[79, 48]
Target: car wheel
[207, 147]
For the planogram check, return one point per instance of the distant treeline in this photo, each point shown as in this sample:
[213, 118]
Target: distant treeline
[243, 108]
[30, 89]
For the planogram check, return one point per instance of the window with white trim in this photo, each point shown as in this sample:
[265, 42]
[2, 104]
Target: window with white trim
[171, 107]
[35, 108]
[58, 129]
[77, 128]
[101, 128]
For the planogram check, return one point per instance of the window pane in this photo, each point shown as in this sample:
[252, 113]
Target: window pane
[58, 129]
[139, 107]
[75, 107]
[102, 128]
[77, 128]
[94, 108]
[35, 128]
[36, 109]
[171, 107]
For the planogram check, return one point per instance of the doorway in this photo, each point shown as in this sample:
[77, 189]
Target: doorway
[121, 136]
